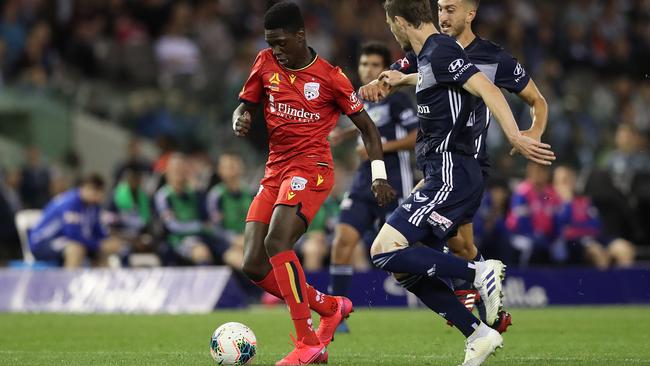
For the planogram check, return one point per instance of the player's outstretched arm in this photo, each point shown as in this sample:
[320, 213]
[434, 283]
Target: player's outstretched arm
[397, 79]
[538, 111]
[479, 85]
[383, 192]
[242, 118]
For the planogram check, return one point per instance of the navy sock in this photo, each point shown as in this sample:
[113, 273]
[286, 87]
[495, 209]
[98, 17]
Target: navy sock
[423, 260]
[340, 276]
[461, 284]
[437, 296]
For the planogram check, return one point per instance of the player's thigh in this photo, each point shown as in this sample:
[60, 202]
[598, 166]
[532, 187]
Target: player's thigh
[286, 227]
[303, 190]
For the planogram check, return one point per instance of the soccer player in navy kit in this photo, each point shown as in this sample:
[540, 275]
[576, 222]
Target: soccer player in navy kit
[455, 18]
[397, 122]
[446, 85]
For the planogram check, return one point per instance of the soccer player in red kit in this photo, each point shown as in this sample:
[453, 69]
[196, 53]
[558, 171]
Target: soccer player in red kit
[302, 96]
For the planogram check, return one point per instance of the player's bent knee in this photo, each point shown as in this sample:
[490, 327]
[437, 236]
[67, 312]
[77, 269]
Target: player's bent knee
[388, 240]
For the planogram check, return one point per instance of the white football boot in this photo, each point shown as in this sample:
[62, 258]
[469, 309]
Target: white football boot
[481, 344]
[489, 275]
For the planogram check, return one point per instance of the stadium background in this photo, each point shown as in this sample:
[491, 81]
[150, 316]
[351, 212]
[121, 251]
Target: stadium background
[90, 86]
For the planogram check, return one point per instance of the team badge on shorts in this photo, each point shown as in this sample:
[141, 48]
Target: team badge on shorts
[298, 183]
[419, 197]
[312, 90]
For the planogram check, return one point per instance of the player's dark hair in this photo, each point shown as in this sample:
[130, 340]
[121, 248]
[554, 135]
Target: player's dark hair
[94, 180]
[377, 48]
[415, 12]
[285, 15]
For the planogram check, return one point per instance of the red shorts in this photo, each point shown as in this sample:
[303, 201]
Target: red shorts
[305, 185]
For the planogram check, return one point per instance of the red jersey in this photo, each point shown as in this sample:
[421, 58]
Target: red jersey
[301, 106]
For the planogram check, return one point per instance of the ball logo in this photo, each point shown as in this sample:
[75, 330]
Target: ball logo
[456, 65]
[519, 70]
[312, 90]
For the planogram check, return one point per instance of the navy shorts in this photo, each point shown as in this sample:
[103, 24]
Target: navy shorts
[452, 191]
[363, 213]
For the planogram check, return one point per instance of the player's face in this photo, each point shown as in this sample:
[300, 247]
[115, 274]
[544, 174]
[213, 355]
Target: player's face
[92, 195]
[286, 46]
[370, 66]
[399, 31]
[452, 17]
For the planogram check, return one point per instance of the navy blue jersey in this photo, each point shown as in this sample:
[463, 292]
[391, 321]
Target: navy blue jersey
[444, 107]
[505, 72]
[499, 66]
[395, 117]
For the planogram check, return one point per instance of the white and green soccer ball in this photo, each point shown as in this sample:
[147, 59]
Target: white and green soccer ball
[233, 344]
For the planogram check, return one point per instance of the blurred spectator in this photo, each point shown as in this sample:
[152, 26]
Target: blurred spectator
[130, 215]
[490, 230]
[532, 213]
[35, 66]
[227, 205]
[9, 205]
[134, 160]
[180, 208]
[630, 159]
[12, 31]
[71, 229]
[35, 180]
[581, 238]
[177, 54]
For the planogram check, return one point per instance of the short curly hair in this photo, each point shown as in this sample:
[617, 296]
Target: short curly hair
[284, 15]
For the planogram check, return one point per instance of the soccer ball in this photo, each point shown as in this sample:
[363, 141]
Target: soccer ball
[233, 344]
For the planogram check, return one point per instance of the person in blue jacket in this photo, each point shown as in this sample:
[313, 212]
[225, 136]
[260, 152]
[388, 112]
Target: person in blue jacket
[70, 229]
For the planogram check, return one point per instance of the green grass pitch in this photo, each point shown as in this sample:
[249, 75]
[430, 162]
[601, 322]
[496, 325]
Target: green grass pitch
[552, 336]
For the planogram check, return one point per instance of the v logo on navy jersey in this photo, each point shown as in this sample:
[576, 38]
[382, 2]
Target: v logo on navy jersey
[456, 65]
[419, 197]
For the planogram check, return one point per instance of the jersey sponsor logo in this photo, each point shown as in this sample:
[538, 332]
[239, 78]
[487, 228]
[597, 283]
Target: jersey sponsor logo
[311, 90]
[290, 195]
[437, 219]
[419, 197]
[407, 207]
[285, 110]
[422, 109]
[461, 71]
[319, 180]
[298, 183]
[456, 65]
[354, 100]
[519, 70]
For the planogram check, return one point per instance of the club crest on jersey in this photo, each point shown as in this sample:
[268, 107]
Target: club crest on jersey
[456, 65]
[312, 90]
[298, 183]
[419, 197]
[437, 219]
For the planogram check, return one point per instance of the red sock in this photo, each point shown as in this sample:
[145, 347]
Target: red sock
[293, 286]
[270, 285]
[323, 304]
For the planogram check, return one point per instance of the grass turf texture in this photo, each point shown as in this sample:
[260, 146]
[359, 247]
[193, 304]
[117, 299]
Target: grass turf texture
[552, 336]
